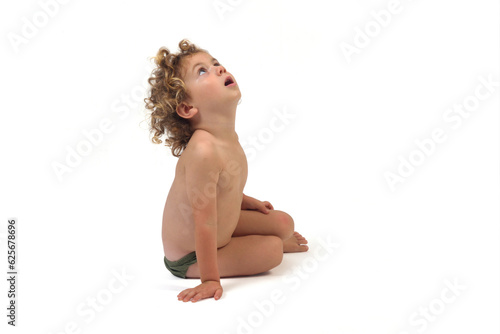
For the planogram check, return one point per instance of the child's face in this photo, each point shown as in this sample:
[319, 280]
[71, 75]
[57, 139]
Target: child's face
[208, 83]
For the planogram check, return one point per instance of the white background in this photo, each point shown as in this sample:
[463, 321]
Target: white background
[351, 121]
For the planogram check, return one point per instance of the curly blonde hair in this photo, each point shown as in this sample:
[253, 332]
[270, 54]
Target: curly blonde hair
[166, 93]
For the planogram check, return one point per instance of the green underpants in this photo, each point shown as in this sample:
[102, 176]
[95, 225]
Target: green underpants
[179, 268]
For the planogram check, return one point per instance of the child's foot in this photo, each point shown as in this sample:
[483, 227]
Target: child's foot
[296, 243]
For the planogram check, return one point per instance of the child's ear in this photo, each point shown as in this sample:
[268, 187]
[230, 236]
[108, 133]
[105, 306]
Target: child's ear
[186, 111]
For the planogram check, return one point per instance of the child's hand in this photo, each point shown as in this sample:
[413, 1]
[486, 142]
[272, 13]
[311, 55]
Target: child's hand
[267, 206]
[250, 203]
[206, 289]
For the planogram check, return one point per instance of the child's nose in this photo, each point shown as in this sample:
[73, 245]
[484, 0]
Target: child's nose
[220, 69]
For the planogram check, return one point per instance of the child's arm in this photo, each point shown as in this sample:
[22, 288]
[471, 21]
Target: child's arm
[198, 177]
[250, 203]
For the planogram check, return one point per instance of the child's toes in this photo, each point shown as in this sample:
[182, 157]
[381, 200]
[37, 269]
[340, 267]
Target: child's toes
[300, 248]
[300, 238]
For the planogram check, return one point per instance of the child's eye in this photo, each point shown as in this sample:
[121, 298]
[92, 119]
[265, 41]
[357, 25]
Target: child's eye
[202, 69]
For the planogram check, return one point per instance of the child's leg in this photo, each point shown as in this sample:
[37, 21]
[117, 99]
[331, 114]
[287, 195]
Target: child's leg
[246, 255]
[276, 223]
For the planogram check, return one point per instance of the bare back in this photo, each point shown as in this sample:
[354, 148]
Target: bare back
[178, 224]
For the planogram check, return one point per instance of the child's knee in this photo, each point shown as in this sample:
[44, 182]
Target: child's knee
[284, 224]
[275, 250]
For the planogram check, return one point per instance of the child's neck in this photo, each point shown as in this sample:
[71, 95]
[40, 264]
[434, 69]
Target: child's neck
[221, 126]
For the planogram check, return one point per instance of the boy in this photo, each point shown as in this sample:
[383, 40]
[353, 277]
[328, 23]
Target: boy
[210, 228]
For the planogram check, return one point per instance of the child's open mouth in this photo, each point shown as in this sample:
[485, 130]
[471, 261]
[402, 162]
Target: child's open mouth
[229, 82]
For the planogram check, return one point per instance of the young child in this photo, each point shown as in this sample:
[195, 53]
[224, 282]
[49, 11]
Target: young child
[210, 228]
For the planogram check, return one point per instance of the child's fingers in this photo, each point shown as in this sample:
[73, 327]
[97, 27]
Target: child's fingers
[182, 294]
[197, 297]
[202, 295]
[189, 293]
[188, 296]
[269, 205]
[200, 292]
[218, 294]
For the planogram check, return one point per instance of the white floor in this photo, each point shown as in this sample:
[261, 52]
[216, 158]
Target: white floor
[358, 277]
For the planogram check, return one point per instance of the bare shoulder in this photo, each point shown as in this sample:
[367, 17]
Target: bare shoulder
[201, 149]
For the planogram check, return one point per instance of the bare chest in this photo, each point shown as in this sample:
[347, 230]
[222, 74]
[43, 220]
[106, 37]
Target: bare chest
[233, 177]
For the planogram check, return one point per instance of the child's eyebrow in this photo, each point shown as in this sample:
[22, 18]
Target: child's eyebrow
[201, 63]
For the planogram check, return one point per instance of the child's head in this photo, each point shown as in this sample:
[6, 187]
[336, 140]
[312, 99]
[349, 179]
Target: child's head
[167, 92]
